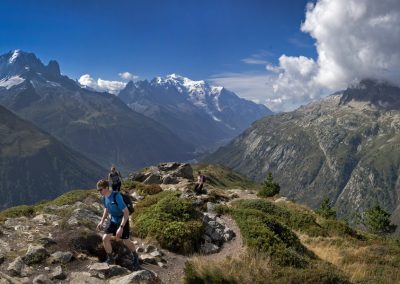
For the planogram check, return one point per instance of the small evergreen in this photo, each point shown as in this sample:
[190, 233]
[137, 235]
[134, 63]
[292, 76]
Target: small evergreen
[377, 220]
[270, 188]
[326, 210]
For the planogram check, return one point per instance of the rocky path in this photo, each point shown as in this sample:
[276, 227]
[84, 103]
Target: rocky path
[174, 271]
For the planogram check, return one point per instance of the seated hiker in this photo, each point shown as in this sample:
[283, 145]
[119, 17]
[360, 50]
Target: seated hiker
[119, 225]
[114, 177]
[199, 184]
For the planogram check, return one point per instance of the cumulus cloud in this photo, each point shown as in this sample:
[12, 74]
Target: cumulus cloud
[101, 85]
[355, 39]
[128, 76]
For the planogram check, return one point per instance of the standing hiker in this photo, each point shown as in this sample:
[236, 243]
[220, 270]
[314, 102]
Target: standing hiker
[114, 177]
[199, 184]
[119, 225]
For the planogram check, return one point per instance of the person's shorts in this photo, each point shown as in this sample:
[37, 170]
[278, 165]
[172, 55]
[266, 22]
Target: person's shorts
[116, 187]
[113, 227]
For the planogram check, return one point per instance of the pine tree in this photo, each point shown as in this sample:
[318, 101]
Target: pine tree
[377, 221]
[270, 188]
[326, 210]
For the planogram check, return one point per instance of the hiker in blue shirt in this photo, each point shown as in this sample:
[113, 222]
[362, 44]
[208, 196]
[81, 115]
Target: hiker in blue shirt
[119, 223]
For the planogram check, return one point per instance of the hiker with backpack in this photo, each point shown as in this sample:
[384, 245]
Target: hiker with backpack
[114, 177]
[199, 184]
[115, 206]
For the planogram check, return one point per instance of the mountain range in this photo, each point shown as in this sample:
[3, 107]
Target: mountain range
[35, 166]
[344, 147]
[98, 125]
[201, 114]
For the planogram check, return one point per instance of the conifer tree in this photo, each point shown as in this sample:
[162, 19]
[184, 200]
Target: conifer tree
[270, 188]
[377, 220]
[326, 210]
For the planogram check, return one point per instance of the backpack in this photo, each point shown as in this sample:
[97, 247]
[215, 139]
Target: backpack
[127, 201]
[115, 178]
[204, 179]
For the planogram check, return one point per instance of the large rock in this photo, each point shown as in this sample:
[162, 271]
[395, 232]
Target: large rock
[103, 270]
[84, 278]
[15, 267]
[61, 257]
[35, 254]
[154, 178]
[83, 214]
[183, 171]
[141, 276]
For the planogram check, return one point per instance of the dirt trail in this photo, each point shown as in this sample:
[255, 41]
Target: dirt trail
[174, 272]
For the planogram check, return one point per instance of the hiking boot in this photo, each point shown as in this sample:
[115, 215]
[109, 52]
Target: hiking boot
[135, 262]
[110, 259]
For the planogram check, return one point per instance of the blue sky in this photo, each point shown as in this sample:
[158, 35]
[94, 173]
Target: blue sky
[221, 41]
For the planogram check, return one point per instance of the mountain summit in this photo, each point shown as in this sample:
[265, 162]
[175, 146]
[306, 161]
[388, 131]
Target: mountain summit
[197, 112]
[98, 125]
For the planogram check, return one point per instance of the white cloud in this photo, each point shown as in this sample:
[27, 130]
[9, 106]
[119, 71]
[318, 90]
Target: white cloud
[355, 39]
[128, 76]
[101, 85]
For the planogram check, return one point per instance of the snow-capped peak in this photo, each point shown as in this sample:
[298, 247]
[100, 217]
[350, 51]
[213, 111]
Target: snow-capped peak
[14, 56]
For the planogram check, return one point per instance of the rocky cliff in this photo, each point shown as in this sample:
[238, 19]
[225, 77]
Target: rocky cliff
[345, 147]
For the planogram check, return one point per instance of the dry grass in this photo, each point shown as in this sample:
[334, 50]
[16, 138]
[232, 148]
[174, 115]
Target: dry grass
[373, 261]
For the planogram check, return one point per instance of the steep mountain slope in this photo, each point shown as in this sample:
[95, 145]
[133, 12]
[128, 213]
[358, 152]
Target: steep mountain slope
[204, 115]
[345, 147]
[99, 125]
[35, 166]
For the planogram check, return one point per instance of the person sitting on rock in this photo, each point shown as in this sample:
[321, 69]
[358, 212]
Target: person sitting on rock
[119, 224]
[199, 184]
[114, 177]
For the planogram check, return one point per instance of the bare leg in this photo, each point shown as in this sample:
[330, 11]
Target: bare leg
[107, 243]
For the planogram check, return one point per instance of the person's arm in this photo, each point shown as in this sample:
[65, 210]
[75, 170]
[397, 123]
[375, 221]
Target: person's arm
[125, 219]
[103, 218]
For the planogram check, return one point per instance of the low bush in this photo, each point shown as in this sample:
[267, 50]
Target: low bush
[141, 188]
[263, 233]
[295, 219]
[169, 220]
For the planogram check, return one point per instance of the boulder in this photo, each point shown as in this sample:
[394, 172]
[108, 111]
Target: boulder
[169, 179]
[41, 279]
[154, 178]
[84, 278]
[141, 276]
[166, 167]
[15, 268]
[58, 274]
[35, 254]
[80, 214]
[183, 171]
[209, 248]
[148, 258]
[137, 176]
[60, 257]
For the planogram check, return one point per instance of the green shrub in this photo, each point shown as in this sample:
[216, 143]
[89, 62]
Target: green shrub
[170, 220]
[264, 234]
[270, 188]
[148, 189]
[339, 228]
[326, 210]
[18, 211]
[377, 221]
[294, 219]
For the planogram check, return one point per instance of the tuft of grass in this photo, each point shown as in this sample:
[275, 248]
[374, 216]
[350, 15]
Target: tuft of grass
[169, 220]
[141, 188]
[253, 268]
